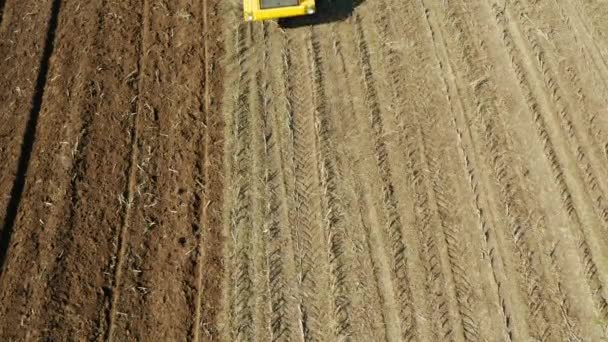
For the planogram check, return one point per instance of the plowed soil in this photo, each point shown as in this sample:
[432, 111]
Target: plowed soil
[384, 170]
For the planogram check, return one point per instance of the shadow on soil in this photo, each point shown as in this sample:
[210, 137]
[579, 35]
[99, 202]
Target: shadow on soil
[327, 11]
[2, 3]
[29, 136]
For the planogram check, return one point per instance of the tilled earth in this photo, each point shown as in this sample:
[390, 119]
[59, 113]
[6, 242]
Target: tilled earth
[384, 170]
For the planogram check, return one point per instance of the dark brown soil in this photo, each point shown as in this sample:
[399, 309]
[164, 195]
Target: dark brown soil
[103, 236]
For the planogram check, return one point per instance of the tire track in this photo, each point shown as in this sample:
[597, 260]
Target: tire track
[593, 186]
[284, 318]
[242, 212]
[520, 213]
[230, 100]
[379, 320]
[586, 35]
[552, 244]
[463, 288]
[585, 252]
[452, 232]
[317, 319]
[594, 127]
[489, 240]
[596, 124]
[272, 320]
[398, 248]
[272, 250]
[414, 137]
[305, 233]
[332, 203]
[379, 263]
[465, 138]
[454, 278]
[571, 330]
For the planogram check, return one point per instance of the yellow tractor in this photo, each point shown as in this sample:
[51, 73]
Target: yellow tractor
[255, 10]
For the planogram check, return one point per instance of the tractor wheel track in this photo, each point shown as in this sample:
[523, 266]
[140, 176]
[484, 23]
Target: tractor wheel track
[395, 224]
[573, 208]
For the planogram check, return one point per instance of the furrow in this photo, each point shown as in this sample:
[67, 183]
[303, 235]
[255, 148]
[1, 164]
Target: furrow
[62, 273]
[136, 111]
[210, 299]
[170, 182]
[585, 253]
[395, 229]
[48, 247]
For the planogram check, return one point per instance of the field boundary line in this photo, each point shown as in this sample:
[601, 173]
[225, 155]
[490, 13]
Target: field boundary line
[29, 136]
[121, 243]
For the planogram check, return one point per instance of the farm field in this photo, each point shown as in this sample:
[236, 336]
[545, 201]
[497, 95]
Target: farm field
[397, 171]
